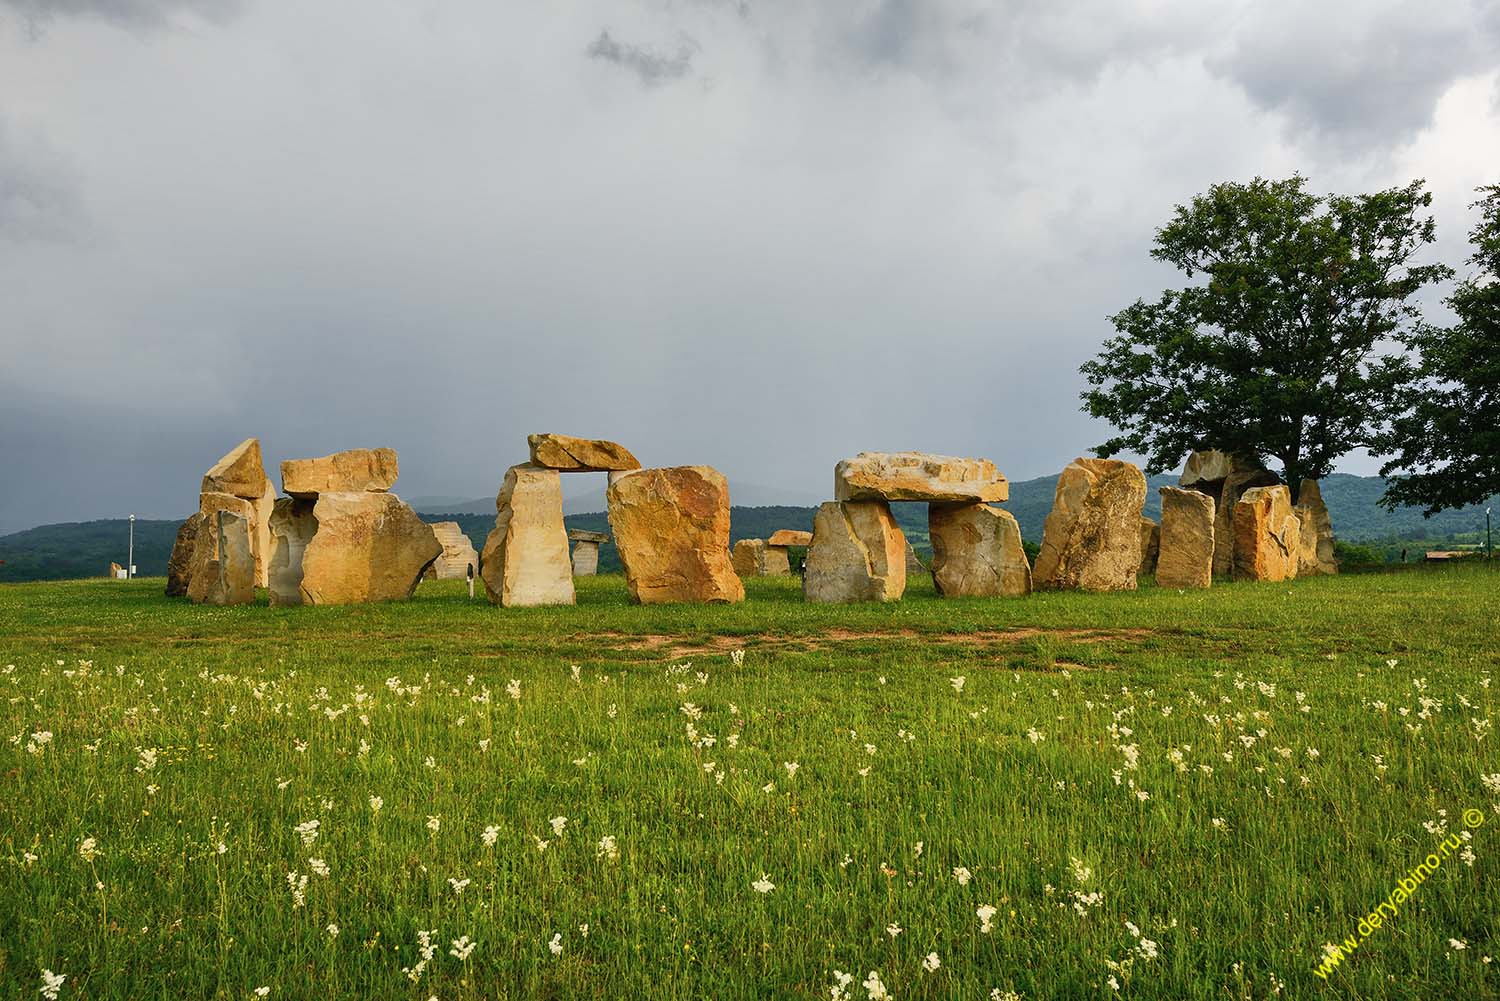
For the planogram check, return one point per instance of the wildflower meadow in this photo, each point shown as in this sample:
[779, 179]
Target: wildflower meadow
[1154, 794]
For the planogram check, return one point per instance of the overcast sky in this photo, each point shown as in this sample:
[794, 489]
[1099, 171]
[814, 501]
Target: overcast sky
[760, 235]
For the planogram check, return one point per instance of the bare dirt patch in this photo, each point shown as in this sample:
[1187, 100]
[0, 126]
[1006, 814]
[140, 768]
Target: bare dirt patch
[673, 647]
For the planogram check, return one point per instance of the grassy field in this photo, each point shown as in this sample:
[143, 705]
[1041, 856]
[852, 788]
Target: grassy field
[1160, 794]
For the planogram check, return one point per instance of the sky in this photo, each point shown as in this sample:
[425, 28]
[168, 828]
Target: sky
[760, 235]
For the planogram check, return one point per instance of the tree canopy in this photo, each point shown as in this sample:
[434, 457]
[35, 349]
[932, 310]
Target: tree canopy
[1446, 440]
[1277, 348]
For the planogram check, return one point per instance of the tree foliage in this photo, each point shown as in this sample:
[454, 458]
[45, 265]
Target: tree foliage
[1447, 439]
[1276, 349]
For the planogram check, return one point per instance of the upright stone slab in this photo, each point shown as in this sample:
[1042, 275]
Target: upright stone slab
[1267, 535]
[586, 551]
[1150, 546]
[358, 470]
[748, 557]
[671, 527]
[1186, 559]
[914, 567]
[240, 477]
[458, 553]
[1233, 489]
[1315, 552]
[858, 553]
[976, 552]
[366, 547]
[224, 564]
[180, 564]
[293, 526]
[918, 476]
[1091, 540]
[579, 455]
[525, 560]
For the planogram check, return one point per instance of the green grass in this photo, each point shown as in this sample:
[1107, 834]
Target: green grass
[257, 716]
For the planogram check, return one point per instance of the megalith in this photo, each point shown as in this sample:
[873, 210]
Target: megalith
[586, 550]
[858, 553]
[1186, 556]
[458, 553]
[671, 527]
[918, 476]
[224, 561]
[976, 552]
[579, 455]
[1267, 535]
[1315, 552]
[525, 560]
[1091, 540]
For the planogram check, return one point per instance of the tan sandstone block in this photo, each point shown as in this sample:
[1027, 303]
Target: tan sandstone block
[1186, 557]
[366, 547]
[976, 552]
[918, 476]
[1267, 535]
[858, 553]
[1091, 540]
[671, 527]
[357, 470]
[579, 455]
[525, 561]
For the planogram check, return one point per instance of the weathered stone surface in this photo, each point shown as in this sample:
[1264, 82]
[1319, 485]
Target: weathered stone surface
[914, 565]
[585, 558]
[1091, 540]
[579, 455]
[292, 527]
[458, 553]
[240, 472]
[1315, 552]
[1150, 546]
[1207, 469]
[358, 470]
[1229, 495]
[918, 476]
[976, 552]
[758, 558]
[209, 505]
[858, 553]
[364, 546]
[223, 571]
[1186, 558]
[525, 560]
[1267, 535]
[748, 557]
[115, 570]
[671, 527]
[584, 535]
[789, 537]
[180, 564]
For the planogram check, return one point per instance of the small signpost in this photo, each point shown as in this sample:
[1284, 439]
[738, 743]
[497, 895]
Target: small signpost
[471, 581]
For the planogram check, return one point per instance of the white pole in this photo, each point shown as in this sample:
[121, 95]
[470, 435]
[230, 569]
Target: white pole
[130, 554]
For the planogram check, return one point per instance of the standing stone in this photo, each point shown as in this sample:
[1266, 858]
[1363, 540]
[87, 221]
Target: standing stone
[1235, 487]
[1150, 546]
[525, 560]
[1091, 540]
[579, 455]
[858, 553]
[749, 558]
[357, 470]
[586, 550]
[976, 552]
[914, 565]
[1315, 552]
[240, 475]
[1207, 469]
[1267, 535]
[365, 546]
[671, 527]
[241, 472]
[458, 552]
[180, 564]
[224, 564]
[918, 476]
[292, 528]
[1186, 558]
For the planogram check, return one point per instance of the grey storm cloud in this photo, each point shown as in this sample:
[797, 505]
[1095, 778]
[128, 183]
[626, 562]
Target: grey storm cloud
[798, 231]
[650, 67]
[139, 14]
[1361, 81]
[39, 196]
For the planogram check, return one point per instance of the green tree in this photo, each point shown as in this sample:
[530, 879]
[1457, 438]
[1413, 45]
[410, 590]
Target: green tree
[1277, 350]
[1447, 439]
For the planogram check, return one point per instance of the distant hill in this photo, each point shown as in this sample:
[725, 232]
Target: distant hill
[85, 549]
